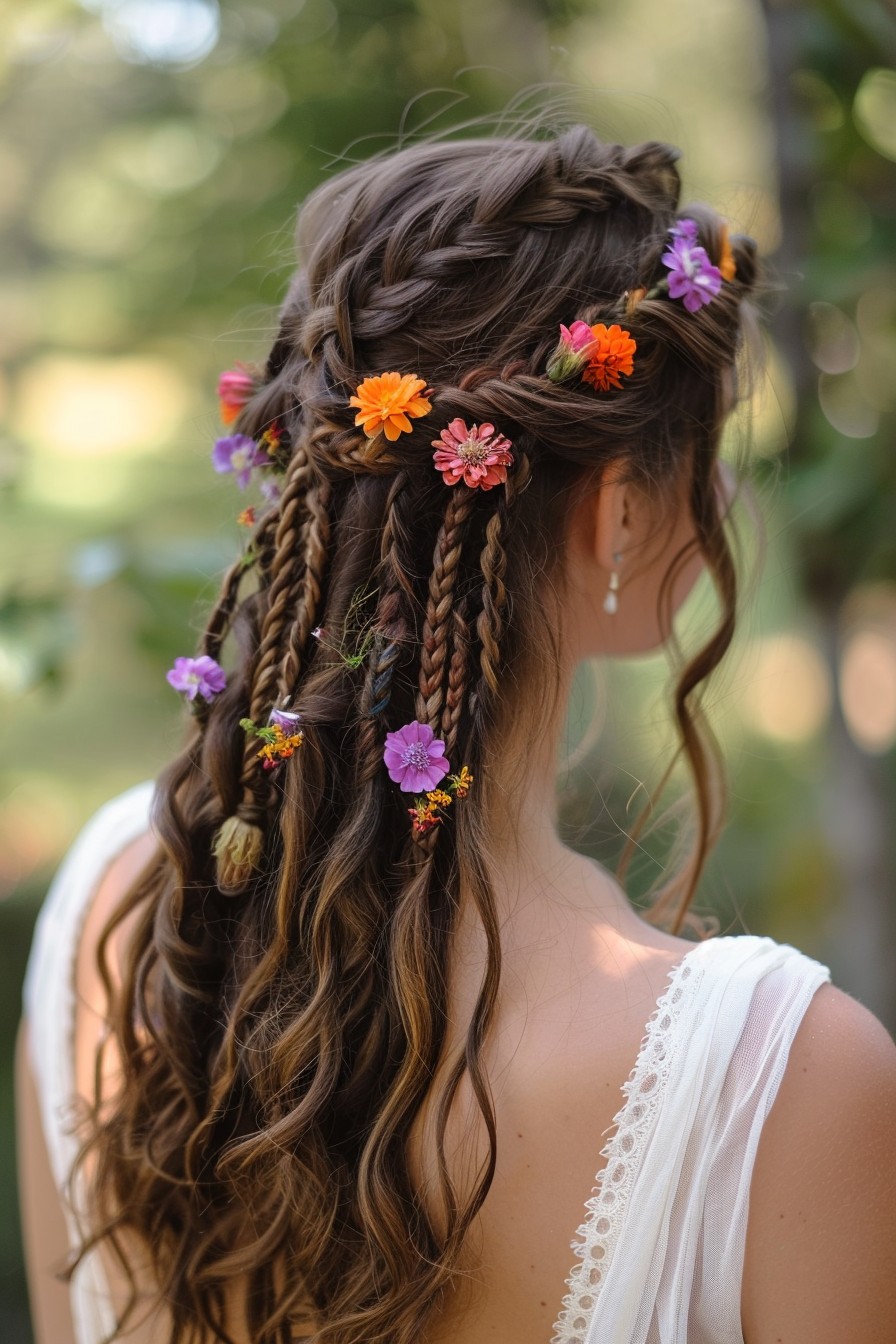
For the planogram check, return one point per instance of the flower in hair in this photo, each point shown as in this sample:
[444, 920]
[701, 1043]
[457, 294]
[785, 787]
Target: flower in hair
[239, 454]
[428, 811]
[415, 757]
[424, 815]
[609, 358]
[692, 276]
[271, 489]
[287, 719]
[235, 387]
[387, 402]
[197, 676]
[727, 264]
[273, 441]
[571, 354]
[685, 229]
[477, 455]
[279, 743]
[246, 517]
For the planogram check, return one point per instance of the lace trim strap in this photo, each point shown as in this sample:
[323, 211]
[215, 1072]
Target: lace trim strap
[595, 1239]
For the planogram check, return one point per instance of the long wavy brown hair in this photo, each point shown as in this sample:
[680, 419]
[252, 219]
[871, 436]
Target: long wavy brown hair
[283, 1005]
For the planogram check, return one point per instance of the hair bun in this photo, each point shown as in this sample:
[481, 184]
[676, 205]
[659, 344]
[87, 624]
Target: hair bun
[653, 166]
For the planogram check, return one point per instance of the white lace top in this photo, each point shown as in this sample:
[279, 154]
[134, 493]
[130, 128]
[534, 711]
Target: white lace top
[659, 1255]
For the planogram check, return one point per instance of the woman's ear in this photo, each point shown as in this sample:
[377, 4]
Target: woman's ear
[612, 505]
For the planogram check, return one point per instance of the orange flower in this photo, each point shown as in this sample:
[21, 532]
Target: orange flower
[385, 403]
[424, 816]
[235, 387]
[727, 264]
[271, 439]
[279, 747]
[610, 357]
[247, 517]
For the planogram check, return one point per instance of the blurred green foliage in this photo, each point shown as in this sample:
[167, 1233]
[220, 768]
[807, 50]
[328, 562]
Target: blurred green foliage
[151, 160]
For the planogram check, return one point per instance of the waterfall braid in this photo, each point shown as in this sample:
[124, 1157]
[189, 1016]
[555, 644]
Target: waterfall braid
[276, 1048]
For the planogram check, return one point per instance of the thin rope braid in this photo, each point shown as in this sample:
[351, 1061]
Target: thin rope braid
[493, 564]
[259, 556]
[437, 625]
[219, 621]
[391, 626]
[390, 621]
[239, 842]
[316, 541]
[264, 543]
[458, 672]
[287, 575]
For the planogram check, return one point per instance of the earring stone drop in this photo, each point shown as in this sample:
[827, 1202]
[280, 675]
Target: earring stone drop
[611, 601]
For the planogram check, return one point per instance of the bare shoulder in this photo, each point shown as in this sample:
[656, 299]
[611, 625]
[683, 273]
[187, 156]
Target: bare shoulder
[118, 878]
[820, 1262]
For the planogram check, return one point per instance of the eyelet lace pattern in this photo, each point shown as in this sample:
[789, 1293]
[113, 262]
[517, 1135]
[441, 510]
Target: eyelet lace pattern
[595, 1239]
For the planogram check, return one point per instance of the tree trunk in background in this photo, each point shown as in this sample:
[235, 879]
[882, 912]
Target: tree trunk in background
[861, 935]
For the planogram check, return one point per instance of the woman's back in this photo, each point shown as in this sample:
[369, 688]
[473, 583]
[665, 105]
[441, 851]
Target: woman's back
[566, 1038]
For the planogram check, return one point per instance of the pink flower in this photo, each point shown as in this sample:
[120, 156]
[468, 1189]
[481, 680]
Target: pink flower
[197, 676]
[577, 337]
[235, 387]
[415, 757]
[479, 455]
[571, 355]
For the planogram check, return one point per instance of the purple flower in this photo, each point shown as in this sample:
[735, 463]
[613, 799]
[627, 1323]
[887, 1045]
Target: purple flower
[415, 757]
[692, 276]
[271, 489]
[197, 676]
[686, 229]
[239, 453]
[286, 719]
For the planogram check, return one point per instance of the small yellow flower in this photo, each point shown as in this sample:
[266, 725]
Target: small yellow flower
[440, 798]
[280, 748]
[462, 782]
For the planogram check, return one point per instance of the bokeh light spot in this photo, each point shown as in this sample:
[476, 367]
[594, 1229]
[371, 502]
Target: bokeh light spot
[874, 110]
[88, 408]
[868, 689]
[845, 407]
[789, 698]
[833, 339]
[161, 32]
[164, 159]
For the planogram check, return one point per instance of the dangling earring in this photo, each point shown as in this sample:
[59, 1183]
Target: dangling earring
[611, 601]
